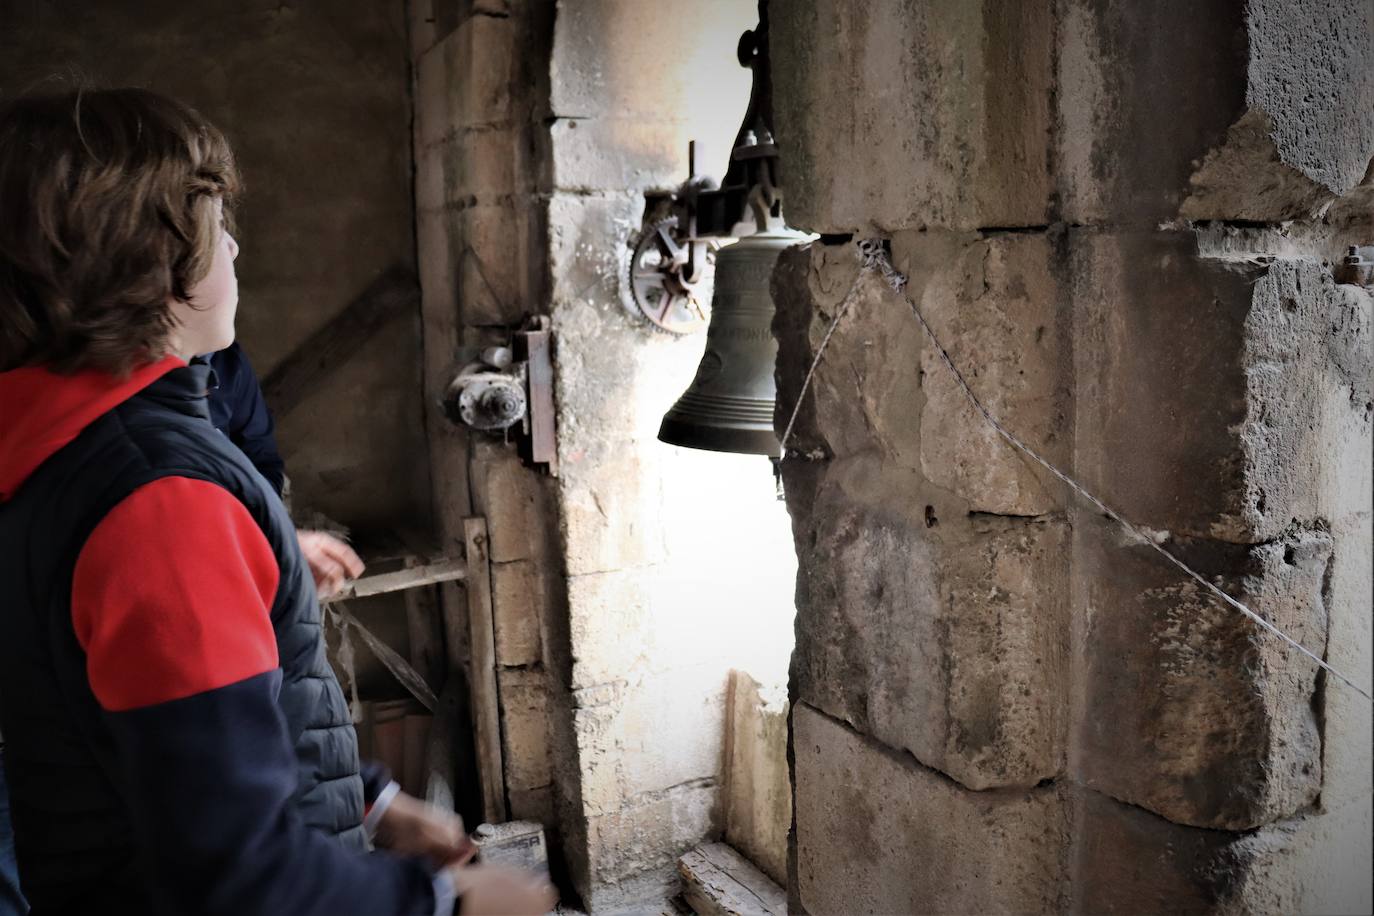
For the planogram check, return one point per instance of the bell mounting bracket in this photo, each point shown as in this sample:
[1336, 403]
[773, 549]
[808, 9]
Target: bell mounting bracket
[672, 257]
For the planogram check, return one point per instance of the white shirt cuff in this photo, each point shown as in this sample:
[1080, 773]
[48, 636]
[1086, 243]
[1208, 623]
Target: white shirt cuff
[379, 806]
[445, 895]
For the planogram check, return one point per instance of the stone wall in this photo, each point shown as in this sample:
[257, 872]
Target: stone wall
[481, 93]
[678, 563]
[1119, 219]
[626, 588]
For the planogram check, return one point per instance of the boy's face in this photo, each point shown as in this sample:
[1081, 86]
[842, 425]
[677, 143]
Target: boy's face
[206, 324]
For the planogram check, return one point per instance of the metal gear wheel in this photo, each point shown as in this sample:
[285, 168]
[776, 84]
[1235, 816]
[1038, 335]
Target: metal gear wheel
[660, 287]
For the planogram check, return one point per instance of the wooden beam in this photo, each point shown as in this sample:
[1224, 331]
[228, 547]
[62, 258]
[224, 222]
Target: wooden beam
[302, 373]
[486, 699]
[717, 881]
[413, 577]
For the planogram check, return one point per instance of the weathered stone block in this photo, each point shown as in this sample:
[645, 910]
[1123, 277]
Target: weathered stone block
[901, 115]
[1127, 860]
[466, 78]
[1306, 136]
[588, 255]
[1312, 71]
[616, 154]
[525, 729]
[866, 393]
[1253, 110]
[518, 603]
[1191, 711]
[533, 805]
[932, 630]
[1001, 314]
[615, 379]
[612, 626]
[1244, 178]
[513, 499]
[625, 750]
[491, 242]
[477, 164]
[1155, 328]
[470, 262]
[879, 833]
[997, 308]
[635, 849]
[612, 516]
[1308, 386]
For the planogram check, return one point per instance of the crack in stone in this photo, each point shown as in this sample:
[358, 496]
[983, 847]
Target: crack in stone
[906, 758]
[657, 795]
[1039, 517]
[1156, 815]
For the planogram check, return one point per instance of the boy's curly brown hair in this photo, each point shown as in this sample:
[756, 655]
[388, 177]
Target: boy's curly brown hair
[107, 213]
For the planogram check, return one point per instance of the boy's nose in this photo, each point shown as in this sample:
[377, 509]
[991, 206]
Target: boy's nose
[233, 248]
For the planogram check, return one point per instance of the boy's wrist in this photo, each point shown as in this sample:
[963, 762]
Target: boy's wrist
[372, 819]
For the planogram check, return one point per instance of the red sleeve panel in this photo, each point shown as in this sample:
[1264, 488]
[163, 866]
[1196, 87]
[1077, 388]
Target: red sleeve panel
[172, 596]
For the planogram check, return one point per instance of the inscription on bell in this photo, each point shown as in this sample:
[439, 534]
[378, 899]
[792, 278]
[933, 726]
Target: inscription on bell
[741, 333]
[749, 271]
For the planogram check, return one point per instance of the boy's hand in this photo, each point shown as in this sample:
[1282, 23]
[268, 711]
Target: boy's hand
[485, 890]
[411, 827]
[331, 561]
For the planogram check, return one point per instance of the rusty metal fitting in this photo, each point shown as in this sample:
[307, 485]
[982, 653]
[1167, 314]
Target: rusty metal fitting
[1357, 267]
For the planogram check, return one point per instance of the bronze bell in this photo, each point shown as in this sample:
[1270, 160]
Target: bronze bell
[729, 405]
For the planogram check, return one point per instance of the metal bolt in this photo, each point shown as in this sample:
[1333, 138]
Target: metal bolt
[500, 403]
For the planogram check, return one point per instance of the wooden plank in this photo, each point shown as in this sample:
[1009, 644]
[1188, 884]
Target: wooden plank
[486, 700]
[393, 293]
[717, 881]
[414, 577]
[394, 662]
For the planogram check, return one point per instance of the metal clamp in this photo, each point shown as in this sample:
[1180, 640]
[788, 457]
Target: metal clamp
[509, 390]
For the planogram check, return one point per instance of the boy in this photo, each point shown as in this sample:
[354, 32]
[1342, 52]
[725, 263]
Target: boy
[175, 739]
